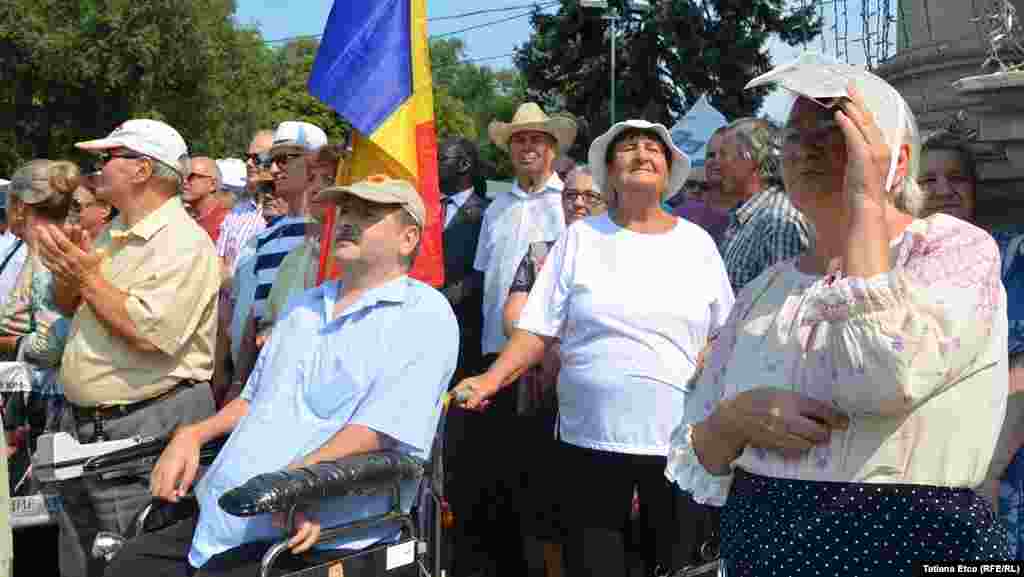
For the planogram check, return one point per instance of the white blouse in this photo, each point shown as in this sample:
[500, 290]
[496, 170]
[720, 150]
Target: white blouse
[916, 357]
[631, 328]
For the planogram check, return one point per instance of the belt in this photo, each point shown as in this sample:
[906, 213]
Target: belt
[115, 411]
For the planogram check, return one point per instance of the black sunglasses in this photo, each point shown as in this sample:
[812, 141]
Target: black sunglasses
[283, 159]
[261, 160]
[105, 157]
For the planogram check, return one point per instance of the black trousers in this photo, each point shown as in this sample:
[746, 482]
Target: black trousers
[484, 481]
[597, 494]
[164, 553]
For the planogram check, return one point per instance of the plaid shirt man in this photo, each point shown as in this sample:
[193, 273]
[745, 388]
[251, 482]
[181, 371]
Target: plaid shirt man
[762, 231]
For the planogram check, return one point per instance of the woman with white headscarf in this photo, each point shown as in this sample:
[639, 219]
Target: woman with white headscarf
[853, 400]
[630, 331]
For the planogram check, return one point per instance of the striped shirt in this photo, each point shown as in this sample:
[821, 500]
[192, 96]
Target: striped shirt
[272, 245]
[243, 222]
[762, 231]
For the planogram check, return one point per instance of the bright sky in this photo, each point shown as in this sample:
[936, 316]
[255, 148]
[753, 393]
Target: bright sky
[277, 19]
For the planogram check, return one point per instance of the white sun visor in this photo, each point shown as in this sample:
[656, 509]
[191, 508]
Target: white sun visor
[818, 78]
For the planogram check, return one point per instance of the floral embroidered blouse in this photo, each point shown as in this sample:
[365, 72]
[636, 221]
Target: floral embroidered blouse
[915, 356]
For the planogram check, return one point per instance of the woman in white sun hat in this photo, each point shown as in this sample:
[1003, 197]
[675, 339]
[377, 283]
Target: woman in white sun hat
[853, 401]
[631, 331]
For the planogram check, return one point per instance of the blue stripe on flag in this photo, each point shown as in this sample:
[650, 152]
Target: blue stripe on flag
[363, 68]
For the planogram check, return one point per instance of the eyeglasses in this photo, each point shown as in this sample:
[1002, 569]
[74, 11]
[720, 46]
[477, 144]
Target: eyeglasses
[283, 159]
[590, 198]
[105, 157]
[259, 160]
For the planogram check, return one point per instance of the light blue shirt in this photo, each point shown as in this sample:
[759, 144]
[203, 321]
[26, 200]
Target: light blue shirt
[243, 292]
[383, 363]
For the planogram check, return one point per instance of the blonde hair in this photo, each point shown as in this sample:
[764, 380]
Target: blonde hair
[61, 179]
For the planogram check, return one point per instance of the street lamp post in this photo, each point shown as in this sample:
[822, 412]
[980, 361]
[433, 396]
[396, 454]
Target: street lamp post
[613, 19]
[612, 16]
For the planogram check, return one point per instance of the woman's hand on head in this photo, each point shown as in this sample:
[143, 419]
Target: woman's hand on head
[867, 154]
[781, 420]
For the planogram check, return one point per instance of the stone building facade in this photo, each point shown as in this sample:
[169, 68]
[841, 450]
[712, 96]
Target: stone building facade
[938, 68]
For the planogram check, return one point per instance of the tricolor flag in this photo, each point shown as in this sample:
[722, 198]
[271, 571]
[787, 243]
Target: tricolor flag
[373, 68]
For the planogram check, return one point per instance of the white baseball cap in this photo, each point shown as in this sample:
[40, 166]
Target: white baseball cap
[599, 148]
[232, 173]
[152, 138]
[296, 134]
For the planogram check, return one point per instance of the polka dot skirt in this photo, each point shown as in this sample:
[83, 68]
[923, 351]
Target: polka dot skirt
[803, 528]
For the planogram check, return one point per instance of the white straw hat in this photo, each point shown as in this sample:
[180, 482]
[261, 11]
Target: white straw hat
[530, 117]
[599, 149]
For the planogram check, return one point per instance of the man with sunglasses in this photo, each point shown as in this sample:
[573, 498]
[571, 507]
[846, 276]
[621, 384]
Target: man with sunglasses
[200, 195]
[292, 142]
[246, 218]
[144, 302]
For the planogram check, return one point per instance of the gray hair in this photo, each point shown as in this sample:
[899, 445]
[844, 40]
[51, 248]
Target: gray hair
[908, 196]
[405, 218]
[169, 175]
[584, 170]
[760, 140]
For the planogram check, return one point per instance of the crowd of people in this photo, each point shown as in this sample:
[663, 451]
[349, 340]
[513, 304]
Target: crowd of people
[812, 357]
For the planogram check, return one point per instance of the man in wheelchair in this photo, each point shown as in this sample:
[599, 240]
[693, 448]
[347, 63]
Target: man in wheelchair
[352, 367]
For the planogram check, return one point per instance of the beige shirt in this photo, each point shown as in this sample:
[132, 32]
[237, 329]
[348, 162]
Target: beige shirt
[169, 268]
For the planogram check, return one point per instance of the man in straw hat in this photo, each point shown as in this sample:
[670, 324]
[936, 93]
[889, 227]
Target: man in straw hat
[531, 212]
[324, 389]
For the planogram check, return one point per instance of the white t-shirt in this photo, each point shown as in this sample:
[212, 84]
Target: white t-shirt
[512, 221]
[633, 312]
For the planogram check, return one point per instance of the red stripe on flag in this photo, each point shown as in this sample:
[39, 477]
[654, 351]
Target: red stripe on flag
[429, 266]
[326, 236]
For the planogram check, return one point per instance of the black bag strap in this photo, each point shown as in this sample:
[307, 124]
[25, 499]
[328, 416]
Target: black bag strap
[10, 255]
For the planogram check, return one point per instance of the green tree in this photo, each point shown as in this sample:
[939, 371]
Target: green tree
[665, 58]
[468, 97]
[451, 117]
[72, 70]
[291, 100]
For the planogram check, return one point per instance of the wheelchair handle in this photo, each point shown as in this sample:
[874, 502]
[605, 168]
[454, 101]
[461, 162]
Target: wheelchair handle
[137, 455]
